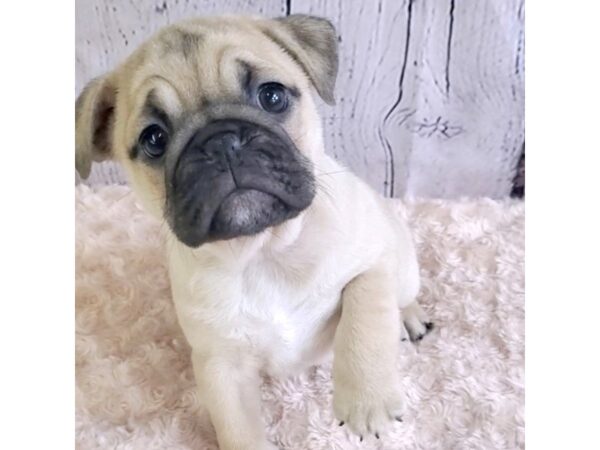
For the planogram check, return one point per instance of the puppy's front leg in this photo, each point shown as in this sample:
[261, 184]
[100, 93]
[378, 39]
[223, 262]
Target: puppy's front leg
[230, 389]
[366, 384]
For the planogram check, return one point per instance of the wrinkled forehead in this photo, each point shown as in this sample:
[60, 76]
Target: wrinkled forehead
[187, 66]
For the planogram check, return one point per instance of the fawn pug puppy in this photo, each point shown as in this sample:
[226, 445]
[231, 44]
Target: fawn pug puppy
[276, 253]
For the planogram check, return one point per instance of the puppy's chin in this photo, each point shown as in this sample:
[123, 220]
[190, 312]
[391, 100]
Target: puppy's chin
[243, 212]
[246, 212]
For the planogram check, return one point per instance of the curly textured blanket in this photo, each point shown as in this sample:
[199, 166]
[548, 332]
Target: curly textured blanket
[463, 384]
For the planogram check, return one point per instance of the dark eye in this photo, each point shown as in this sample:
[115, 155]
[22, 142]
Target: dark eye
[273, 97]
[154, 140]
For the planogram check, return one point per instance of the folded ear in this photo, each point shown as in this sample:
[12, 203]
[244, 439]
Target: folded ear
[312, 42]
[94, 122]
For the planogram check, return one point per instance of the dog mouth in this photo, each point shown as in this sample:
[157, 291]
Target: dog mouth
[245, 212]
[236, 178]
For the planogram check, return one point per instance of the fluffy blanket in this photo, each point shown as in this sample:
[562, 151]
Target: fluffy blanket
[463, 384]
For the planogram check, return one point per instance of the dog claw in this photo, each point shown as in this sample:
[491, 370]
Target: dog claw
[361, 438]
[377, 435]
[398, 418]
[341, 423]
[429, 326]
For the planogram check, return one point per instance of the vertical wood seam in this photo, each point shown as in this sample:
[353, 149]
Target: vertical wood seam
[449, 47]
[520, 48]
[390, 168]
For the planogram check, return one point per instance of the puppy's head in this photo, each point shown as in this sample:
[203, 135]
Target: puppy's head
[214, 122]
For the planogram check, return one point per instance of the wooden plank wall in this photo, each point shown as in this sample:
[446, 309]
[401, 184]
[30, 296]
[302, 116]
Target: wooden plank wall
[430, 93]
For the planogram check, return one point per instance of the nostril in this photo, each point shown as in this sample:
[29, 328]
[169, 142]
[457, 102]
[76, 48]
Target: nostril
[223, 142]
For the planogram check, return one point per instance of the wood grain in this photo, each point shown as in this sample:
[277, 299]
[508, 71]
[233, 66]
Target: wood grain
[372, 38]
[461, 119]
[430, 92]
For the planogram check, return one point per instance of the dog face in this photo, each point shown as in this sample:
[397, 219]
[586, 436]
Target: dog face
[214, 122]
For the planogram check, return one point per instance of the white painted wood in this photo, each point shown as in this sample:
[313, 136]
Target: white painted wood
[430, 92]
[461, 118]
[372, 36]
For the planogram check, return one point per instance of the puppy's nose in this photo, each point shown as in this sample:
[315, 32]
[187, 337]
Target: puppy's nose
[227, 141]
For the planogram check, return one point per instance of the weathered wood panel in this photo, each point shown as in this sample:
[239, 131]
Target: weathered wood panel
[372, 38]
[461, 116]
[430, 92]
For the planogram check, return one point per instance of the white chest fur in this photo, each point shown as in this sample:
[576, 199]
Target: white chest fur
[282, 307]
[277, 295]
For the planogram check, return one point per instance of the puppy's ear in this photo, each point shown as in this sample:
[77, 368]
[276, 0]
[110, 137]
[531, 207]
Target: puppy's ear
[94, 122]
[312, 42]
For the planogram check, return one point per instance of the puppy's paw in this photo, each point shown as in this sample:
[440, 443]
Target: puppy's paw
[367, 408]
[416, 322]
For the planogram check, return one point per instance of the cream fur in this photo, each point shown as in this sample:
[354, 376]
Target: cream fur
[462, 385]
[269, 303]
